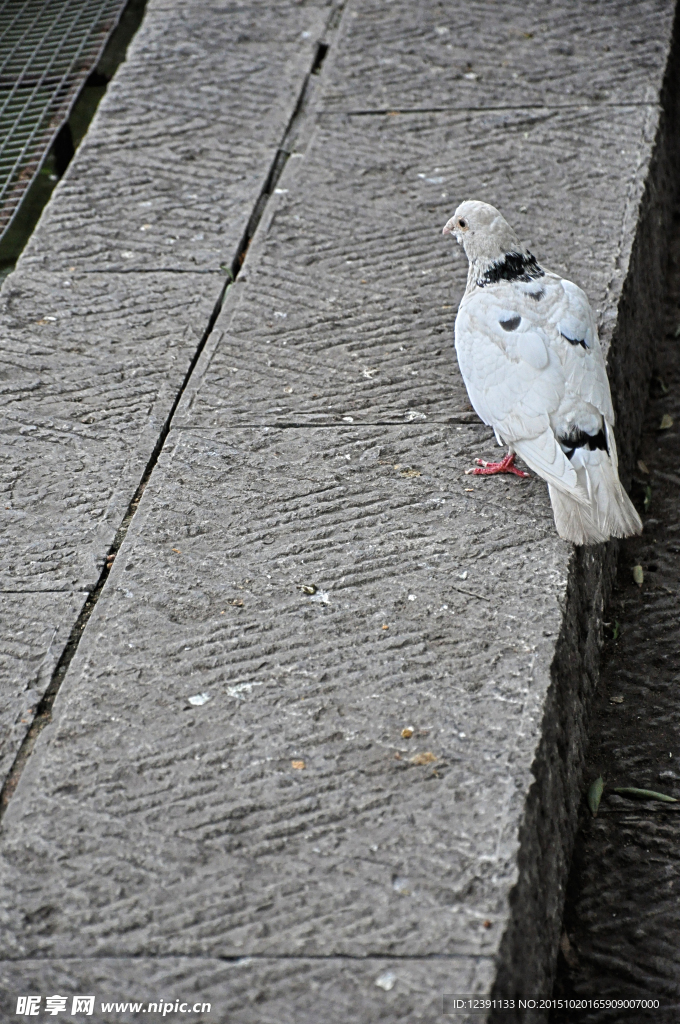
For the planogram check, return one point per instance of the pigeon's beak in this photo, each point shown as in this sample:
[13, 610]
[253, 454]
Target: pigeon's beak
[448, 227]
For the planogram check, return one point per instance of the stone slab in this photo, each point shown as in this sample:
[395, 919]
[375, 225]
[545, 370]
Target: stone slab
[34, 630]
[181, 146]
[135, 833]
[484, 55]
[90, 368]
[256, 991]
[345, 306]
[96, 344]
[92, 360]
[437, 608]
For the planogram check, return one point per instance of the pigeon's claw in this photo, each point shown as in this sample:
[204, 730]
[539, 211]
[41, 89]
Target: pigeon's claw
[490, 468]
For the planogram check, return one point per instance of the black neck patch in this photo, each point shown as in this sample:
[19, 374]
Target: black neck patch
[514, 266]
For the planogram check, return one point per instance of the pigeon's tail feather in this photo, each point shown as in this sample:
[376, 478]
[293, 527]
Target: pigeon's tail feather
[609, 512]
[573, 520]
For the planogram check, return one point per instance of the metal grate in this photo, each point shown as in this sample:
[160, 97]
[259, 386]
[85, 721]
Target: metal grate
[47, 50]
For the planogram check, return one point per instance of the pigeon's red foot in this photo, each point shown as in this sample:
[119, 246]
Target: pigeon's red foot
[489, 468]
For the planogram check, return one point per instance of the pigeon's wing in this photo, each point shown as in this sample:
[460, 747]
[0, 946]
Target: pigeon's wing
[579, 346]
[544, 455]
[506, 363]
[514, 377]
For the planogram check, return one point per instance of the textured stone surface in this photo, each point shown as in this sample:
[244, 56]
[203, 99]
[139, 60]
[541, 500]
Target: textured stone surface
[347, 304]
[85, 396]
[282, 820]
[183, 141]
[362, 851]
[34, 629]
[489, 55]
[257, 991]
[92, 362]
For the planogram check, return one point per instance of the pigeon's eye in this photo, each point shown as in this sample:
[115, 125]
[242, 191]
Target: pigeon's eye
[462, 223]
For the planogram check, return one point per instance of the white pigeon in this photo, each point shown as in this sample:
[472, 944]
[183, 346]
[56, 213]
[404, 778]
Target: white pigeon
[530, 357]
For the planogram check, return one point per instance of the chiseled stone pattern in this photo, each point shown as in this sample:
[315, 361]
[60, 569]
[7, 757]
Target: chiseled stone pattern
[93, 365]
[436, 608]
[92, 362]
[347, 307]
[98, 327]
[285, 817]
[34, 629]
[181, 146]
[485, 55]
[260, 990]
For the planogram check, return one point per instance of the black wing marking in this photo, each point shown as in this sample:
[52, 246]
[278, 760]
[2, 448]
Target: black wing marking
[579, 439]
[574, 341]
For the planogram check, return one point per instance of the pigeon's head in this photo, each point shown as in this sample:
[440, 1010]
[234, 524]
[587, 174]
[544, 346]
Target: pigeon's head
[483, 232]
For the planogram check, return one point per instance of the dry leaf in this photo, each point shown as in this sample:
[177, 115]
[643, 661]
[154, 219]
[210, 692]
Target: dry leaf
[308, 588]
[642, 467]
[426, 757]
[567, 951]
[407, 732]
[410, 472]
[638, 575]
[648, 794]
[595, 792]
[297, 764]
[666, 422]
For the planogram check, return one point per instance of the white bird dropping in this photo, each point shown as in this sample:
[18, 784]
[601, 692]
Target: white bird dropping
[530, 357]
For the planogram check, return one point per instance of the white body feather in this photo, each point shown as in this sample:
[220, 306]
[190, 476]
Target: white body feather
[541, 378]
